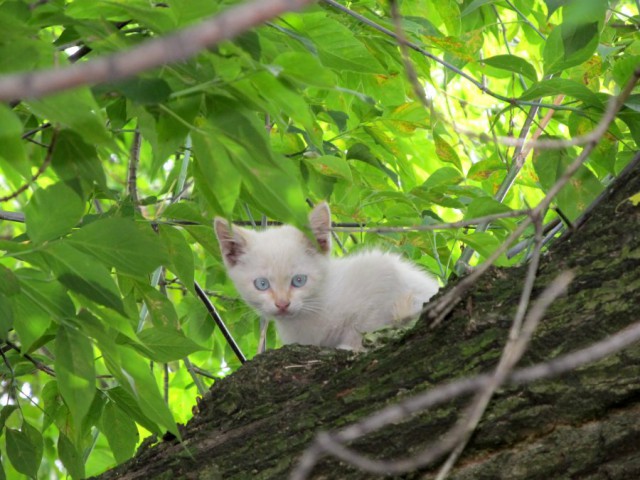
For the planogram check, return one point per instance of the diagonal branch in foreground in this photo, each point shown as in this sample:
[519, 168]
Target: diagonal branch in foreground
[151, 54]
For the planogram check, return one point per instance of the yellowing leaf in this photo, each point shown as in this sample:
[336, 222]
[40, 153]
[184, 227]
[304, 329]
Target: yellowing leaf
[635, 199]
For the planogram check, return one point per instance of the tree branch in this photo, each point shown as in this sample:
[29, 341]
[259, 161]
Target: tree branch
[173, 48]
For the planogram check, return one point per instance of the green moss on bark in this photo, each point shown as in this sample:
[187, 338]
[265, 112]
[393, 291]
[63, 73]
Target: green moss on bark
[256, 423]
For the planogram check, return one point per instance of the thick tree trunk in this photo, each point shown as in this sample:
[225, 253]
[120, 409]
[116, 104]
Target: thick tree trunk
[586, 424]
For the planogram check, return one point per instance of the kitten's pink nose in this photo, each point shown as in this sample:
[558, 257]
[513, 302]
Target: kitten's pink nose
[282, 305]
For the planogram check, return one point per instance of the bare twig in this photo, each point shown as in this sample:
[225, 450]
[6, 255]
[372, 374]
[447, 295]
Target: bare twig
[36, 363]
[519, 337]
[438, 309]
[433, 226]
[12, 216]
[132, 177]
[219, 322]
[194, 375]
[419, 49]
[160, 51]
[519, 155]
[332, 443]
[412, 75]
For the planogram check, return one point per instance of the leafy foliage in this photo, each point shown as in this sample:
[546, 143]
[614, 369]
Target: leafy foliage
[97, 284]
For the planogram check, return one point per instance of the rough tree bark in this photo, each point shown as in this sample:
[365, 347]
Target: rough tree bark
[586, 424]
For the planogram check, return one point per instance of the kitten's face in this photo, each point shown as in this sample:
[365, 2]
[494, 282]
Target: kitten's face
[278, 272]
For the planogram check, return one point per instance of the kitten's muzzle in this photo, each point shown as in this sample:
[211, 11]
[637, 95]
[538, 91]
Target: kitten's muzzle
[282, 305]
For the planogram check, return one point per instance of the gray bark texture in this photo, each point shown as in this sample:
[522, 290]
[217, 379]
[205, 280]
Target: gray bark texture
[585, 424]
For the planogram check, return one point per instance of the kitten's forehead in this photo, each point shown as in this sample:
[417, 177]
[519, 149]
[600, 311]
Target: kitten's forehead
[280, 246]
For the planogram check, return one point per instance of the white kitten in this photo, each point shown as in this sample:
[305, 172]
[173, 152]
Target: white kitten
[313, 298]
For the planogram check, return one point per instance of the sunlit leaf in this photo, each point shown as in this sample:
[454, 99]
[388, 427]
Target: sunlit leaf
[331, 166]
[561, 86]
[337, 47]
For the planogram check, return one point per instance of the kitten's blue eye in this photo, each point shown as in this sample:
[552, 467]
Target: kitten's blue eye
[299, 280]
[261, 283]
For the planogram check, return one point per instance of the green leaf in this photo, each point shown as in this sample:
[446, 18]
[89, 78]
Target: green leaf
[120, 430]
[449, 12]
[46, 293]
[338, 47]
[578, 193]
[557, 86]
[513, 64]
[215, 175]
[42, 300]
[487, 168]
[481, 207]
[576, 39]
[185, 212]
[485, 244]
[77, 110]
[179, 254]
[75, 371]
[71, 459]
[128, 404]
[173, 127]
[144, 91]
[580, 40]
[331, 166]
[160, 308]
[54, 407]
[6, 317]
[9, 283]
[132, 372]
[306, 68]
[443, 176]
[52, 212]
[11, 144]
[445, 152]
[5, 413]
[624, 68]
[121, 243]
[204, 235]
[272, 183]
[473, 6]
[24, 449]
[553, 5]
[74, 159]
[80, 273]
[167, 344]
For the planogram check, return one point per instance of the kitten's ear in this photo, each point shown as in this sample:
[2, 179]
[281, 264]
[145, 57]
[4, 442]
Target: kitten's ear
[320, 223]
[232, 243]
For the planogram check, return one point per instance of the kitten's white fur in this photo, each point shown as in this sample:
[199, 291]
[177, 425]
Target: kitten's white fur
[342, 297]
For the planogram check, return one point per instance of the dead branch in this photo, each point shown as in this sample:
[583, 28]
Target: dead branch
[160, 51]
